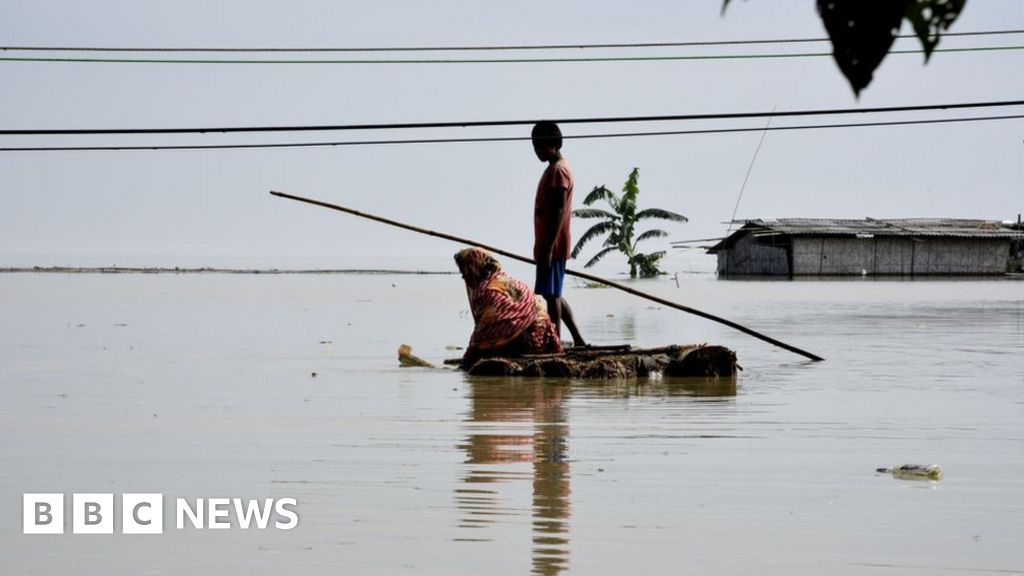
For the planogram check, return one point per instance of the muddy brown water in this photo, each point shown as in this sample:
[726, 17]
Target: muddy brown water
[203, 386]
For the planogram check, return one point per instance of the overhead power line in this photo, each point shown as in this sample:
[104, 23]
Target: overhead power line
[479, 48]
[507, 138]
[521, 122]
[547, 60]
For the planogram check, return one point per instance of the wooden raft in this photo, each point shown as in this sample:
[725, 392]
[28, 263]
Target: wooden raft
[601, 362]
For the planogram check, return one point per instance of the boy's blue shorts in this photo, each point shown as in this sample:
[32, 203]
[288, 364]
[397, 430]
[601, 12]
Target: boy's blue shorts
[550, 279]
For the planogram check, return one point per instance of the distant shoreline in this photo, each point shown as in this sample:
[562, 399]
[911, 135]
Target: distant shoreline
[202, 270]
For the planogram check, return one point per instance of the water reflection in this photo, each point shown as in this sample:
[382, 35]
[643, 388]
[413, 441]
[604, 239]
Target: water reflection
[708, 389]
[521, 423]
[518, 431]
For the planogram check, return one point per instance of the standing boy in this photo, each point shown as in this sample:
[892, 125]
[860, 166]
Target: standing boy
[552, 212]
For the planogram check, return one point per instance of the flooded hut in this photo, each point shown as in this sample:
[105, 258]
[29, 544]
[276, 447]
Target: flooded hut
[905, 247]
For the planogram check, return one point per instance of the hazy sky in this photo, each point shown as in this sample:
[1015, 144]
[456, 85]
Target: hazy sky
[212, 207]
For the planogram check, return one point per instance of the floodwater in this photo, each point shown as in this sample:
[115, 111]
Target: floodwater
[206, 386]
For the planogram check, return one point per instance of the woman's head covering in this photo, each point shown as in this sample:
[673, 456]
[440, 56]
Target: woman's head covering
[502, 306]
[476, 265]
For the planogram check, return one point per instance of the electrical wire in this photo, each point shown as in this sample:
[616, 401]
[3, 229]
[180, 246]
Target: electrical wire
[562, 60]
[507, 138]
[750, 168]
[485, 123]
[472, 48]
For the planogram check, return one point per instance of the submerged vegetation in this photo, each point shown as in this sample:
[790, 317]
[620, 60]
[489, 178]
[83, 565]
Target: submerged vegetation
[619, 224]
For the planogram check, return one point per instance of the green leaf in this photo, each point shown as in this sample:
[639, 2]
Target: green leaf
[862, 34]
[594, 231]
[630, 190]
[651, 234]
[725, 4]
[594, 213]
[597, 257]
[648, 264]
[631, 187]
[599, 193]
[661, 215]
[863, 31]
[931, 18]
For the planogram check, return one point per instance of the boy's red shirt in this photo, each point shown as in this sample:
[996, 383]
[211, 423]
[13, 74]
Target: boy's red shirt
[556, 176]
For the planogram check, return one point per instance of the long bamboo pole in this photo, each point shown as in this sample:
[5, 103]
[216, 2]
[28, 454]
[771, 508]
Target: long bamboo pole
[583, 275]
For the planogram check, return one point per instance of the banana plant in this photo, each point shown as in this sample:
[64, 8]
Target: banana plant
[618, 227]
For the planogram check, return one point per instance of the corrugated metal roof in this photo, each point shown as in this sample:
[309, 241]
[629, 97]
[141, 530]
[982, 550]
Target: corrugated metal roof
[910, 227]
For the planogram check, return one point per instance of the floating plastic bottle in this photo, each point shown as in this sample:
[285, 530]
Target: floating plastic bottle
[914, 472]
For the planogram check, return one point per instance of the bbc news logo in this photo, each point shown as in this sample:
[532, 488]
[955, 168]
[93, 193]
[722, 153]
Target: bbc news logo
[144, 513]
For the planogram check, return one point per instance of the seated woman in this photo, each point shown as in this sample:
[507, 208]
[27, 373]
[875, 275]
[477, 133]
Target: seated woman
[510, 319]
